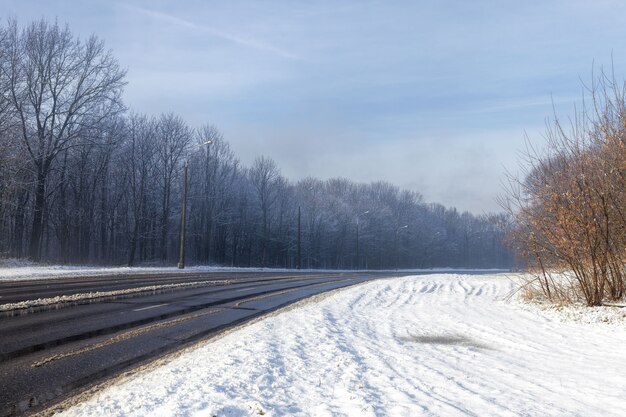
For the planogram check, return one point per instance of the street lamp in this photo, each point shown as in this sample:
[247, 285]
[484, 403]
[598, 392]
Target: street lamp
[183, 214]
[357, 238]
[396, 241]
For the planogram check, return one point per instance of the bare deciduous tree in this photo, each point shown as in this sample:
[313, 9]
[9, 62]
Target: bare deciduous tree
[59, 86]
[173, 137]
[264, 175]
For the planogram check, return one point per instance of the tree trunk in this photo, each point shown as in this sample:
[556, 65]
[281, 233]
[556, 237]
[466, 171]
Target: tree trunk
[64, 228]
[18, 234]
[40, 199]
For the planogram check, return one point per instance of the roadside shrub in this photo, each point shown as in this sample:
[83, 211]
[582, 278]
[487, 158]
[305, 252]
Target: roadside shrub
[569, 204]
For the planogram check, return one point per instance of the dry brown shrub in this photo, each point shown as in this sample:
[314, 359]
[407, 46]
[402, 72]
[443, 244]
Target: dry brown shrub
[569, 205]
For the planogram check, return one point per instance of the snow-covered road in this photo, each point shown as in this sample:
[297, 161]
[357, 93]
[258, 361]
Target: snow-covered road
[442, 345]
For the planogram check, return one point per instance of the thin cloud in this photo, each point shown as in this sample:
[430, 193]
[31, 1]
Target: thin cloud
[513, 104]
[237, 39]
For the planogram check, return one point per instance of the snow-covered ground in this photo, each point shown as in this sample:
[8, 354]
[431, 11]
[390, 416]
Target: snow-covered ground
[18, 273]
[433, 345]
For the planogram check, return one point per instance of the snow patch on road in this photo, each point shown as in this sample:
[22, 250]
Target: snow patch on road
[80, 297]
[434, 345]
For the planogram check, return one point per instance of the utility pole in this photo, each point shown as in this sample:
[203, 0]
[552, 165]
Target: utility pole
[357, 243]
[183, 222]
[183, 214]
[299, 255]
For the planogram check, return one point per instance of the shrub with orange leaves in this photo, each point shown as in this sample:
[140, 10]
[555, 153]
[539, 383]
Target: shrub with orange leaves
[569, 206]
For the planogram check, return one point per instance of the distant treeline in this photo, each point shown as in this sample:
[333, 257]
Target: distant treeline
[83, 180]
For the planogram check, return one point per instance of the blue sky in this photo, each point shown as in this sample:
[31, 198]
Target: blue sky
[434, 96]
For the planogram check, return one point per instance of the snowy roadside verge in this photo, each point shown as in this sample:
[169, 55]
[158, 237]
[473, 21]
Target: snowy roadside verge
[612, 314]
[608, 315]
[19, 272]
[426, 345]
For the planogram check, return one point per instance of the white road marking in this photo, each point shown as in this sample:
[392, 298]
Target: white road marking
[149, 307]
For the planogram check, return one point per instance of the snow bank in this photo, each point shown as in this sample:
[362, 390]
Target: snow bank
[81, 297]
[435, 345]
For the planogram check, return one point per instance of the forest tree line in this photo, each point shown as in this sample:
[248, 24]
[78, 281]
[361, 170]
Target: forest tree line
[85, 180]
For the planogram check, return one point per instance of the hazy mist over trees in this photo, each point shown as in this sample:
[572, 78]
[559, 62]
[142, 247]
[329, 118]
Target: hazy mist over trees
[85, 180]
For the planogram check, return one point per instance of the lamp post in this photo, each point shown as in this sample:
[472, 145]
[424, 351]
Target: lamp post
[183, 215]
[358, 257]
[396, 242]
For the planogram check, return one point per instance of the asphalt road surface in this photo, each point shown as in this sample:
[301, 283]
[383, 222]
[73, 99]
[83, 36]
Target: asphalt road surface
[62, 344]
